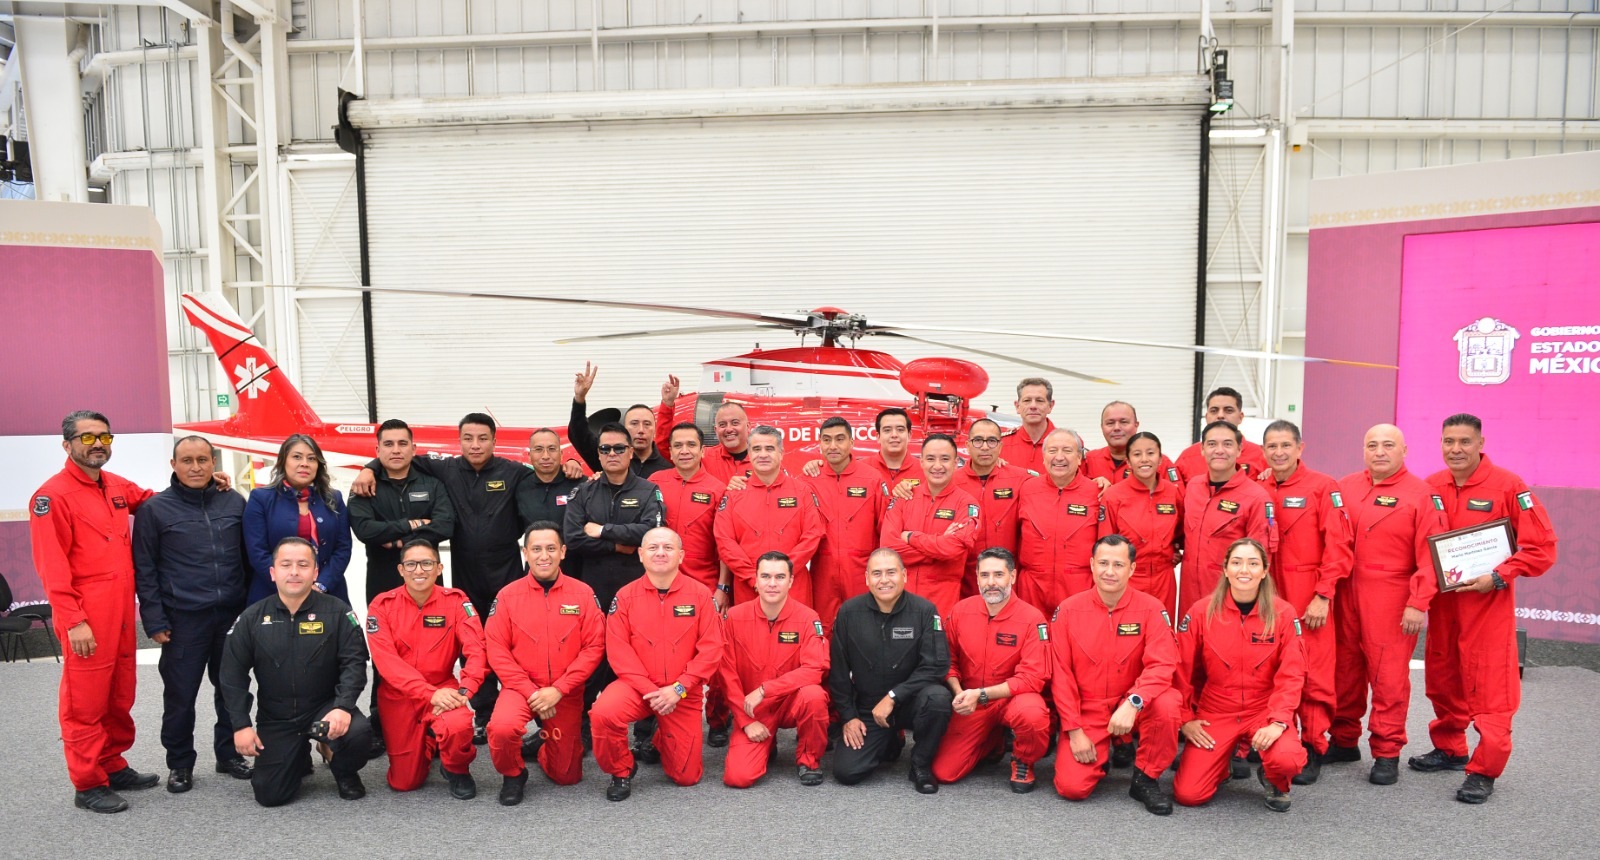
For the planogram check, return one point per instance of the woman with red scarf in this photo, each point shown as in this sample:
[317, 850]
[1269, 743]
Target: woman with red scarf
[298, 502]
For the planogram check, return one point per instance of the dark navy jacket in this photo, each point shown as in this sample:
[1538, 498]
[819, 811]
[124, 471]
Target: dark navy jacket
[188, 553]
[273, 514]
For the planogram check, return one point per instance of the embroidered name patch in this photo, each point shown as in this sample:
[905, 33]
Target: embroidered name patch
[495, 487]
[1129, 629]
[788, 637]
[1480, 504]
[856, 492]
[569, 609]
[1228, 506]
[1386, 501]
[433, 621]
[1003, 492]
[944, 514]
[788, 502]
[1167, 510]
[1008, 640]
[311, 628]
[683, 610]
[700, 498]
[1078, 510]
[1294, 502]
[903, 633]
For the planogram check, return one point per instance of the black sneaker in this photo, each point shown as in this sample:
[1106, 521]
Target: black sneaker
[620, 788]
[129, 779]
[1021, 777]
[480, 735]
[1437, 760]
[1336, 754]
[512, 787]
[1277, 801]
[1148, 792]
[350, 787]
[462, 785]
[1309, 774]
[717, 736]
[101, 799]
[237, 768]
[1385, 771]
[180, 780]
[645, 751]
[809, 775]
[1239, 767]
[1122, 755]
[1476, 789]
[924, 781]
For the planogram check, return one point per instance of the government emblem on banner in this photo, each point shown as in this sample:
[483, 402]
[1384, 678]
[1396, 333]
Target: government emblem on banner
[1486, 346]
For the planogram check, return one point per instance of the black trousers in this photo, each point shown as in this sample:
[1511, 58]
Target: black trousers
[283, 760]
[194, 652]
[927, 715]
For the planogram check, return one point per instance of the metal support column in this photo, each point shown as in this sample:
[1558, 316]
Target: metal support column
[52, 94]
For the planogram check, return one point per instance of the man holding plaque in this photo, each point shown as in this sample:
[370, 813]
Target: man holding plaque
[1472, 630]
[1379, 610]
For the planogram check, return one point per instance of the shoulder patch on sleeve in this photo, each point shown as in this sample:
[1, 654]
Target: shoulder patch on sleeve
[658, 495]
[354, 622]
[1167, 618]
[818, 624]
[1297, 627]
[1184, 624]
[466, 606]
[721, 506]
[613, 609]
[372, 623]
[1044, 632]
[1271, 513]
[972, 511]
[1524, 500]
[937, 624]
[1438, 503]
[1338, 498]
[41, 505]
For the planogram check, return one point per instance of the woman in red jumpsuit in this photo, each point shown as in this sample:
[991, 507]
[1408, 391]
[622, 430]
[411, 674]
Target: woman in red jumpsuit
[1147, 509]
[1243, 666]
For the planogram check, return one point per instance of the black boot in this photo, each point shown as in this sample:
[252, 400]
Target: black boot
[621, 786]
[180, 780]
[645, 752]
[1239, 767]
[1476, 789]
[237, 768]
[511, 788]
[1277, 801]
[924, 780]
[717, 735]
[1336, 754]
[101, 799]
[1122, 755]
[462, 785]
[1309, 774]
[1148, 792]
[1385, 771]
[350, 787]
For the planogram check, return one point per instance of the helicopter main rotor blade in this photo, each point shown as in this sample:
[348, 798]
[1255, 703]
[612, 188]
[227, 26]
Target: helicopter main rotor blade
[777, 320]
[886, 328]
[666, 332]
[1002, 356]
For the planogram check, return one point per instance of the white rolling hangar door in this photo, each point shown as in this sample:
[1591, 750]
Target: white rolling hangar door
[1055, 205]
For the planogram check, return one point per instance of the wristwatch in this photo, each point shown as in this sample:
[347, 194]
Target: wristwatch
[464, 693]
[891, 695]
[1136, 700]
[680, 689]
[724, 588]
[1499, 583]
[983, 696]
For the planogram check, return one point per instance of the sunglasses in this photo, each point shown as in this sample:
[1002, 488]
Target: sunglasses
[612, 450]
[90, 438]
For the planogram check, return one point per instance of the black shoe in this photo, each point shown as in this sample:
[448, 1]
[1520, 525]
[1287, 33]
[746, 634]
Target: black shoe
[620, 788]
[378, 749]
[1336, 754]
[1437, 760]
[531, 743]
[1148, 792]
[237, 768]
[1239, 768]
[101, 799]
[1309, 774]
[350, 787]
[717, 737]
[1021, 777]
[644, 751]
[180, 780]
[897, 745]
[924, 780]
[1385, 771]
[480, 735]
[1122, 755]
[462, 785]
[1277, 801]
[1476, 789]
[129, 779]
[809, 775]
[511, 788]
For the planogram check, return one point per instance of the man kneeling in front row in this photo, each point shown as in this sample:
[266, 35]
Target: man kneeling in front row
[310, 663]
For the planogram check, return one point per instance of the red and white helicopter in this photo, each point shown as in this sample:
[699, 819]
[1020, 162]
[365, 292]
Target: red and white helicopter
[793, 389]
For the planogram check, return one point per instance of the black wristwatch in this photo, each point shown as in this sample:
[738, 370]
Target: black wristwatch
[463, 692]
[983, 696]
[1499, 583]
[1136, 700]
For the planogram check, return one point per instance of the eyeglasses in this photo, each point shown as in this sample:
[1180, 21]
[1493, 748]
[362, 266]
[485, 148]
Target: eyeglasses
[983, 441]
[612, 450]
[423, 566]
[89, 438]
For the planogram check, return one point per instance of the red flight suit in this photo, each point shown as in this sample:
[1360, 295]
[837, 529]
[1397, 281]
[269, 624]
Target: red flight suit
[1471, 653]
[851, 503]
[998, 493]
[1059, 526]
[787, 658]
[716, 460]
[1239, 676]
[910, 470]
[654, 640]
[691, 512]
[415, 649]
[1011, 648]
[84, 555]
[1212, 521]
[1100, 464]
[1153, 523]
[783, 516]
[1101, 656]
[936, 562]
[1314, 555]
[1393, 570]
[543, 639]
[1192, 462]
[1024, 453]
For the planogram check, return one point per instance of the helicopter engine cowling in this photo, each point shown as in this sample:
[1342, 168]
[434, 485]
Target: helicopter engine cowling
[942, 388]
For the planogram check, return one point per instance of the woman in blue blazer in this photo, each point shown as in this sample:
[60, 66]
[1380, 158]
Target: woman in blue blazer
[298, 501]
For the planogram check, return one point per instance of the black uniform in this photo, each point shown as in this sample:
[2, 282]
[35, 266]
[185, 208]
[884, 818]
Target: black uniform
[903, 651]
[385, 517]
[306, 664]
[587, 445]
[192, 573]
[492, 505]
[548, 501]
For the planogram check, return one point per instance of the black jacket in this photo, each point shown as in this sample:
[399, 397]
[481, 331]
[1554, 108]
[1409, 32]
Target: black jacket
[549, 502]
[873, 653]
[625, 512]
[587, 445]
[492, 506]
[300, 660]
[385, 516]
[189, 553]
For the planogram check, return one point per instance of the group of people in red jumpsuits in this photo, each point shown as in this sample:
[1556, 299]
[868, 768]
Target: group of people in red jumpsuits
[1110, 605]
